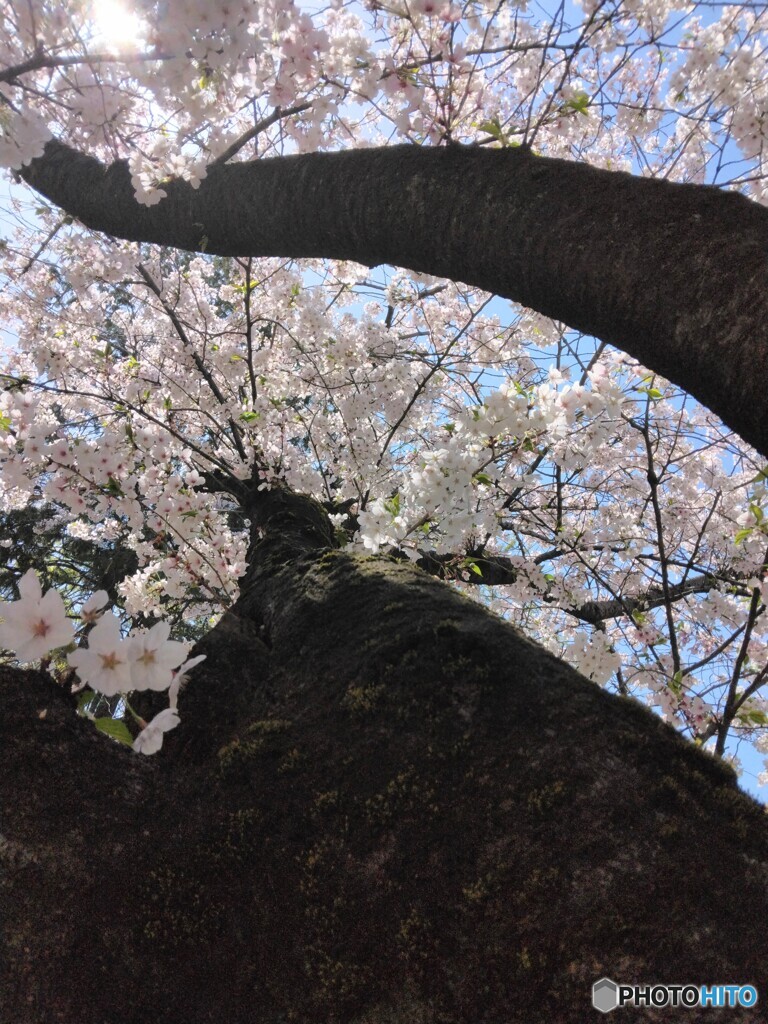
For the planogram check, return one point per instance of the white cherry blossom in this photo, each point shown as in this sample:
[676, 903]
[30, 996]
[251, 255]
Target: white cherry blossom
[180, 678]
[92, 608]
[150, 739]
[153, 657]
[104, 665]
[36, 624]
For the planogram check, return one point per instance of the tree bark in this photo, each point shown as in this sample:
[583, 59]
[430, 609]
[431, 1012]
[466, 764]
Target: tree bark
[675, 275]
[383, 806]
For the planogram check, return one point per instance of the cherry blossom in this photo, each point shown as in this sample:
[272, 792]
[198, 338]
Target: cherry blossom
[153, 657]
[92, 608]
[180, 679]
[150, 739]
[105, 664]
[36, 624]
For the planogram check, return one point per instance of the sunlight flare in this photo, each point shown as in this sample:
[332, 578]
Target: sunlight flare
[117, 25]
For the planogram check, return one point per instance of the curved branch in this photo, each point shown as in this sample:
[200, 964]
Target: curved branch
[42, 60]
[655, 597]
[676, 275]
[498, 571]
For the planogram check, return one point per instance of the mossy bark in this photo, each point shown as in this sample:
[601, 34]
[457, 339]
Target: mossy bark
[383, 806]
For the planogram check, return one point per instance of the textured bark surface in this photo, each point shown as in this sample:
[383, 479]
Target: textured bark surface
[676, 275]
[384, 806]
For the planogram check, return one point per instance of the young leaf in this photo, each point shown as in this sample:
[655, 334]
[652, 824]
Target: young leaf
[114, 727]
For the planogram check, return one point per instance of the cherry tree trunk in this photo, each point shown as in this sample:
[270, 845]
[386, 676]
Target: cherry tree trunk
[383, 806]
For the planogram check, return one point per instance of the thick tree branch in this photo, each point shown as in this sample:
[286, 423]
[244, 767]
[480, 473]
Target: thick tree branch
[482, 570]
[498, 571]
[676, 275]
[655, 597]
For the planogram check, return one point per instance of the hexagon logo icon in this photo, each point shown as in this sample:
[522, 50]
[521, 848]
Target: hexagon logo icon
[605, 995]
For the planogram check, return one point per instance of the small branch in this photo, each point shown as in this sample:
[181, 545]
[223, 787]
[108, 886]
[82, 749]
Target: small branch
[66, 219]
[653, 483]
[202, 368]
[277, 115]
[41, 60]
[731, 703]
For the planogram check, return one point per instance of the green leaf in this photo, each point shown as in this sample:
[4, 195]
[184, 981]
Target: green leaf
[753, 717]
[113, 488]
[578, 103]
[761, 476]
[492, 127]
[676, 683]
[86, 698]
[249, 417]
[743, 534]
[392, 505]
[5, 423]
[116, 728]
[483, 478]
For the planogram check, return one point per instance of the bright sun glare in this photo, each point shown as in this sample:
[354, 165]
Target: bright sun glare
[116, 25]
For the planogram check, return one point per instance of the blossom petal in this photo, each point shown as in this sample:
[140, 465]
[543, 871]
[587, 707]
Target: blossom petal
[29, 586]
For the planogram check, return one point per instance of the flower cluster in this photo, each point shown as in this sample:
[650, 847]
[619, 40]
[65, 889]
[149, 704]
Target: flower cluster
[111, 664]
